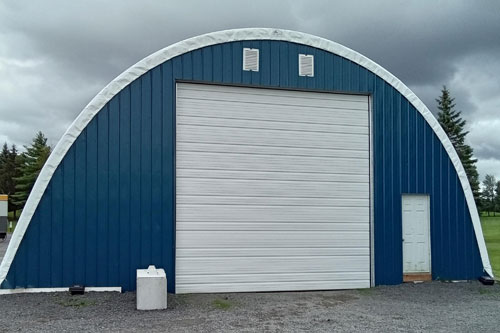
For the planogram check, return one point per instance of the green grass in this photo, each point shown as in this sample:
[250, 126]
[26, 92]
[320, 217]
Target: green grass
[10, 217]
[492, 214]
[365, 291]
[491, 230]
[221, 304]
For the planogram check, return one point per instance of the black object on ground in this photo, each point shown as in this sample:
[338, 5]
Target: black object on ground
[77, 289]
[487, 280]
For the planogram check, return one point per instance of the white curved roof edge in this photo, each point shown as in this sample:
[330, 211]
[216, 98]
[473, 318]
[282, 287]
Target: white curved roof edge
[124, 79]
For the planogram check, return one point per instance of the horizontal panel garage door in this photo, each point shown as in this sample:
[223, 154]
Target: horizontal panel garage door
[272, 190]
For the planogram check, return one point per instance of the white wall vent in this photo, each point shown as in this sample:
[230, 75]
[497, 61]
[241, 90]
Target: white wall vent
[306, 65]
[250, 59]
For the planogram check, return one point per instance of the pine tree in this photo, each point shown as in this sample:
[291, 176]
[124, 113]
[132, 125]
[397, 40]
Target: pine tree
[30, 164]
[454, 126]
[8, 172]
[4, 157]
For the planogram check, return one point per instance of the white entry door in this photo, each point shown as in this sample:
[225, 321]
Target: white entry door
[416, 234]
[273, 190]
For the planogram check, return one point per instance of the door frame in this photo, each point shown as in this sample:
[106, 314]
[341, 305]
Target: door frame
[428, 201]
[371, 191]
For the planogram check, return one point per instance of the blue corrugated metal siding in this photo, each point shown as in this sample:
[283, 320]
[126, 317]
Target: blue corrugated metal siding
[109, 208]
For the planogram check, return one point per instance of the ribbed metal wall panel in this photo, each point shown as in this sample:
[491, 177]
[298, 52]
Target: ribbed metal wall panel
[109, 208]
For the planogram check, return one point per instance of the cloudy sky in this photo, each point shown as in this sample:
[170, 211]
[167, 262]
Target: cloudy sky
[55, 56]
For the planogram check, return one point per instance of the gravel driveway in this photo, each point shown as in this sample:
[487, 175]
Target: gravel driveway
[432, 306]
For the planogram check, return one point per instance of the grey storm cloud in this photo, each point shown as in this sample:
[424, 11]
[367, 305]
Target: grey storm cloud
[56, 55]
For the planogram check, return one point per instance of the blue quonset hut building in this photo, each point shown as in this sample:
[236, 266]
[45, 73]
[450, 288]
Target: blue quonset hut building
[250, 160]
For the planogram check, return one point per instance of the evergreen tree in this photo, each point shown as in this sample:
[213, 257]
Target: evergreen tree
[30, 164]
[454, 126]
[488, 194]
[4, 156]
[497, 197]
[8, 172]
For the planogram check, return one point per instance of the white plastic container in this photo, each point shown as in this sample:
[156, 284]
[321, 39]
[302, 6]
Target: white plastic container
[151, 289]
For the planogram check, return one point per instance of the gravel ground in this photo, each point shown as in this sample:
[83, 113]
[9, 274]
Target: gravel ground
[432, 306]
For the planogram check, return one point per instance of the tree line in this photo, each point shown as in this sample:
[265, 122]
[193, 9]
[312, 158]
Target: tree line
[490, 195]
[18, 171]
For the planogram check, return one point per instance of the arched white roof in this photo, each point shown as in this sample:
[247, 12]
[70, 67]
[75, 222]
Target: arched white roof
[157, 58]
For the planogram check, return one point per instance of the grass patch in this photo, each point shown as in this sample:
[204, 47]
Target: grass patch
[10, 215]
[221, 304]
[492, 214]
[491, 231]
[76, 302]
[10, 218]
[484, 291]
[365, 291]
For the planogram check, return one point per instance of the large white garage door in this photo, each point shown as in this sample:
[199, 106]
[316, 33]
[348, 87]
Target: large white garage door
[272, 190]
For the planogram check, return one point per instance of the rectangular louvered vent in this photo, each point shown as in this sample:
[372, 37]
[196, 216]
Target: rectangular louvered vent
[251, 59]
[306, 65]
